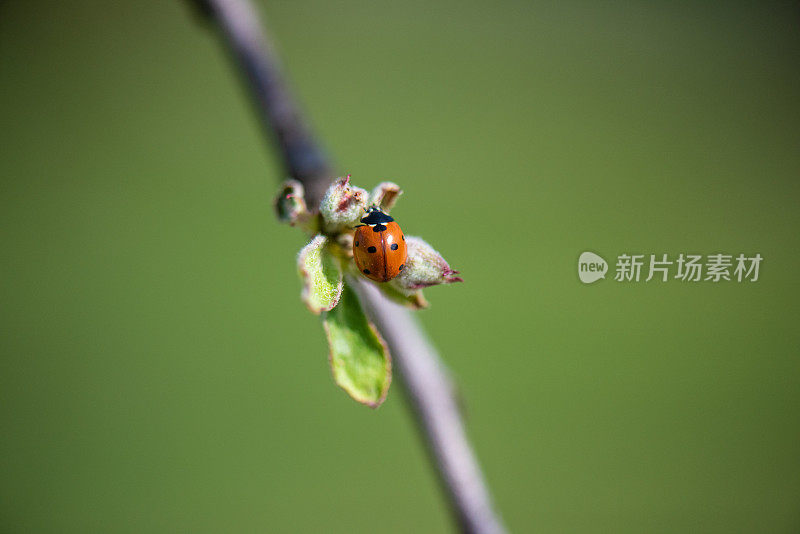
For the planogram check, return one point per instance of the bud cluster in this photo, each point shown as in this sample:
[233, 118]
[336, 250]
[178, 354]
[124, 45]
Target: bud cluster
[332, 226]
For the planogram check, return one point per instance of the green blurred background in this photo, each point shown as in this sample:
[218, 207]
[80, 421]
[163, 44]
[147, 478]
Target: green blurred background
[159, 373]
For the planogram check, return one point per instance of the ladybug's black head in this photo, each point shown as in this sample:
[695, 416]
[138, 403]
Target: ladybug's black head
[376, 216]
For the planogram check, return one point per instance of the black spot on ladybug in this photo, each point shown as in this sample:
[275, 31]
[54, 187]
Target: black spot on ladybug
[401, 266]
[394, 246]
[366, 271]
[404, 237]
[372, 249]
[378, 228]
[356, 243]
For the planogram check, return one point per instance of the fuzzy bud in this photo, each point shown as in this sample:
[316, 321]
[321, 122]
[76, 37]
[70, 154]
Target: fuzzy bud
[385, 195]
[290, 204]
[424, 267]
[343, 205]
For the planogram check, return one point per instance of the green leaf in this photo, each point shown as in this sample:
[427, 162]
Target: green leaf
[359, 359]
[321, 274]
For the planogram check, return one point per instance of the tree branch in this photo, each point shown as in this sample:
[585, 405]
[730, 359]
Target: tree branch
[282, 120]
[423, 374]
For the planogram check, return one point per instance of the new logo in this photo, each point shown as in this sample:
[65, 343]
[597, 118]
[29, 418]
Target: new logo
[591, 267]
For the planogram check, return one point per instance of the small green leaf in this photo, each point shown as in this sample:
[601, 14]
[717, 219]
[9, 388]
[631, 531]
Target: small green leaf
[359, 359]
[321, 274]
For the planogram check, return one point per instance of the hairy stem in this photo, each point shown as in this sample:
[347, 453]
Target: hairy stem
[423, 374]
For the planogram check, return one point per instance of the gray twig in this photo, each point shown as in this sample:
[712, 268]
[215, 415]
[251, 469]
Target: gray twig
[423, 374]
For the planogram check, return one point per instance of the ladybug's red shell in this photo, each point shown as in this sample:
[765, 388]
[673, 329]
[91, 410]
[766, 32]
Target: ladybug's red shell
[379, 247]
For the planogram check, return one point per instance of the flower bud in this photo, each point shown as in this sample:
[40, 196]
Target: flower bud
[385, 195]
[290, 204]
[424, 267]
[343, 205]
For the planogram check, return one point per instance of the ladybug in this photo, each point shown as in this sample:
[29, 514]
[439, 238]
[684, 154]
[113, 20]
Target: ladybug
[379, 246]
